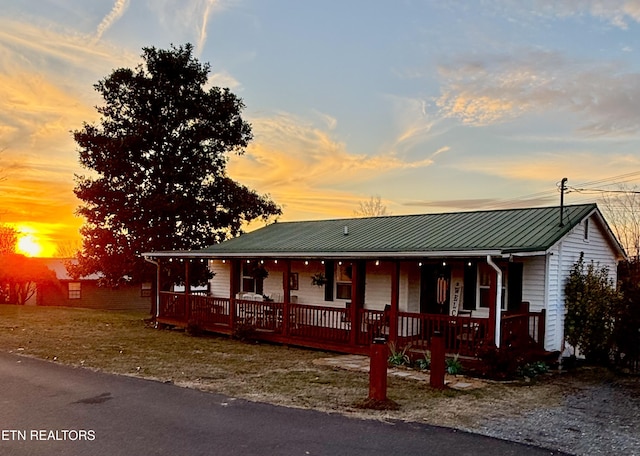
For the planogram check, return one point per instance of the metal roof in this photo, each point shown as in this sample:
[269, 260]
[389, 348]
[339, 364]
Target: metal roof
[498, 232]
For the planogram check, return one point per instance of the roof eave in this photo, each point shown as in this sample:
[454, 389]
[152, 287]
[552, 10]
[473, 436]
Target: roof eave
[329, 255]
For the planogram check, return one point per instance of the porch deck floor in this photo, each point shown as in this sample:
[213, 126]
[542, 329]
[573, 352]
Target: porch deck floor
[360, 363]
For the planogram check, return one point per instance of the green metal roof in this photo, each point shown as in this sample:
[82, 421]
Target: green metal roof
[448, 234]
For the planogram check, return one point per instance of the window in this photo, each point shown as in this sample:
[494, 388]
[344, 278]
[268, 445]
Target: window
[74, 289]
[145, 289]
[343, 282]
[253, 275]
[248, 282]
[485, 275]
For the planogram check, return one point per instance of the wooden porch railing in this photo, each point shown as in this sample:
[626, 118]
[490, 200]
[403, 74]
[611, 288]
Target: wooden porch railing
[314, 326]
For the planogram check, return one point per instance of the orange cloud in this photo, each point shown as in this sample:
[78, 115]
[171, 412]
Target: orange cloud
[307, 170]
[547, 166]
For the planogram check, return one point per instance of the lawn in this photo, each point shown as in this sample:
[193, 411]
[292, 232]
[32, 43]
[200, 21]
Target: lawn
[123, 343]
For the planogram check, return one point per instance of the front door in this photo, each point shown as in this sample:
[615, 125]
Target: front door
[435, 280]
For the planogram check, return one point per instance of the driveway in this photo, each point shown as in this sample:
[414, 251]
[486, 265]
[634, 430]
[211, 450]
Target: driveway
[46, 409]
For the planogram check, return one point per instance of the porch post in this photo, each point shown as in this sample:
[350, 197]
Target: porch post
[158, 288]
[234, 287]
[286, 282]
[395, 302]
[357, 298]
[541, 327]
[187, 290]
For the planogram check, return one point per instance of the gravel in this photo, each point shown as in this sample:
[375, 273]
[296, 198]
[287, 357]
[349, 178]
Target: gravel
[602, 418]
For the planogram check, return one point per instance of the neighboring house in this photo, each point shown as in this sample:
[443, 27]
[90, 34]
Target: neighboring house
[85, 292]
[473, 276]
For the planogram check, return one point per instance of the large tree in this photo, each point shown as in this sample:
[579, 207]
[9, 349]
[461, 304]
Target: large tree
[158, 160]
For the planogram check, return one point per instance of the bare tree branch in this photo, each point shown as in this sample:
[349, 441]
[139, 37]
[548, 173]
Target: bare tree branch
[623, 213]
[373, 207]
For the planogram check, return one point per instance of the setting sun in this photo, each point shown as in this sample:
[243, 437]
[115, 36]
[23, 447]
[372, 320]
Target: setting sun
[28, 245]
[31, 242]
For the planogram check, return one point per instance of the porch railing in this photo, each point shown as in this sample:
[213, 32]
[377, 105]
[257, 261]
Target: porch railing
[333, 325]
[461, 335]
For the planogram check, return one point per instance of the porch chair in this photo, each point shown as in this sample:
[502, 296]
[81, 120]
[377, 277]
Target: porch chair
[468, 330]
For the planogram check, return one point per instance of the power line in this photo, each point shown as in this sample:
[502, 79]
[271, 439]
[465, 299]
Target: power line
[599, 190]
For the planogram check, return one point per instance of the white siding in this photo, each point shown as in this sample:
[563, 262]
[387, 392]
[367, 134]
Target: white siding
[595, 248]
[378, 285]
[533, 273]
[409, 287]
[553, 332]
[220, 283]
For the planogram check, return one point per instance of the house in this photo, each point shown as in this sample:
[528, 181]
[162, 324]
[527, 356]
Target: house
[474, 277]
[87, 293]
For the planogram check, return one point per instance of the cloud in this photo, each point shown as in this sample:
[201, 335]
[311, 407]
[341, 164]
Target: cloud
[116, 13]
[190, 17]
[224, 79]
[304, 166]
[551, 165]
[616, 12]
[500, 88]
[60, 55]
[483, 203]
[413, 123]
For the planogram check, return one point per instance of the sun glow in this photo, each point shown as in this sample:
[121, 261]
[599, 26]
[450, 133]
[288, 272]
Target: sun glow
[28, 242]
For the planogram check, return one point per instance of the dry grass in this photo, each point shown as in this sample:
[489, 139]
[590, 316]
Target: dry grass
[121, 343]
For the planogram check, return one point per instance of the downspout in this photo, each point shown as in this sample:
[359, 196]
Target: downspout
[498, 299]
[157, 285]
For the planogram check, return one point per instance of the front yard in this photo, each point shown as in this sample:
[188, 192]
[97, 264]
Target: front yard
[121, 343]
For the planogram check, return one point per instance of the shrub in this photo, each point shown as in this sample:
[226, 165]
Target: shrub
[532, 370]
[244, 332]
[591, 300]
[453, 365]
[398, 357]
[424, 363]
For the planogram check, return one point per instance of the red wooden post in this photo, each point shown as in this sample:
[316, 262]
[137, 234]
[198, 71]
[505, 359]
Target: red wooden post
[187, 289]
[541, 327]
[436, 379]
[354, 313]
[378, 369]
[234, 287]
[286, 285]
[158, 288]
[395, 299]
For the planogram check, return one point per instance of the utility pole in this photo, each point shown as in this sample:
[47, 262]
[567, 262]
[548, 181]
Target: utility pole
[562, 190]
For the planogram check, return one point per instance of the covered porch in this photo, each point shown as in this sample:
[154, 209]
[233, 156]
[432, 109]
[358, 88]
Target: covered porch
[373, 303]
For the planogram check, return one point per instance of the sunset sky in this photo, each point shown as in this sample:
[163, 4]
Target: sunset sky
[432, 105]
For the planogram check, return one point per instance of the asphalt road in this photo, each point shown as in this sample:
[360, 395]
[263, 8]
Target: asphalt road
[49, 409]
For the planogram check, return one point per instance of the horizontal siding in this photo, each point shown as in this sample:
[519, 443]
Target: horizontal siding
[553, 334]
[219, 284]
[378, 285]
[533, 283]
[94, 297]
[565, 254]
